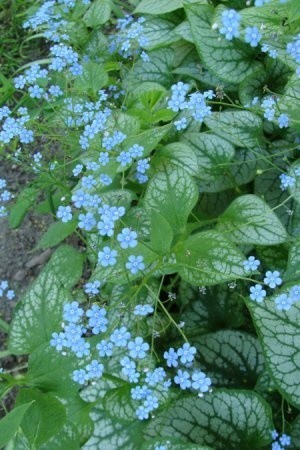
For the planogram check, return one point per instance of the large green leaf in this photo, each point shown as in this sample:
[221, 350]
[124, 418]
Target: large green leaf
[25, 201]
[229, 61]
[158, 70]
[161, 233]
[249, 220]
[279, 334]
[209, 309]
[158, 6]
[56, 233]
[213, 155]
[45, 410]
[241, 128]
[173, 194]
[149, 139]
[98, 13]
[180, 154]
[10, 423]
[94, 77]
[208, 258]
[40, 311]
[292, 272]
[224, 419]
[159, 33]
[295, 189]
[230, 357]
[172, 443]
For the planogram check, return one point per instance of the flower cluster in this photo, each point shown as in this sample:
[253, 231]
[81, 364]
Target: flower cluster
[195, 104]
[130, 39]
[230, 24]
[287, 181]
[272, 280]
[148, 384]
[5, 196]
[15, 127]
[5, 291]
[280, 442]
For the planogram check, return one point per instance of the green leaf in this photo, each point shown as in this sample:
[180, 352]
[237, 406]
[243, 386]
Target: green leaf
[174, 443]
[10, 423]
[292, 272]
[46, 409]
[157, 6]
[26, 199]
[56, 233]
[181, 155]
[212, 153]
[280, 338]
[66, 264]
[161, 233]
[67, 438]
[230, 357]
[225, 419]
[241, 128]
[208, 258]
[173, 194]
[98, 13]
[227, 60]
[249, 220]
[149, 139]
[158, 70]
[94, 77]
[295, 189]
[113, 432]
[58, 379]
[205, 314]
[40, 311]
[159, 33]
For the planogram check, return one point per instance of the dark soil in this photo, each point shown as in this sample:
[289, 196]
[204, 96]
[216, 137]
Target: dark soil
[19, 262]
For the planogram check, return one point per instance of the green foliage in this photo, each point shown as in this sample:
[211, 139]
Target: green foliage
[169, 163]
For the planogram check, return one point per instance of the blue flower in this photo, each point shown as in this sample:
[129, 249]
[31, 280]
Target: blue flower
[283, 121]
[58, 340]
[200, 381]
[72, 312]
[142, 413]
[105, 179]
[283, 302]
[143, 165]
[286, 181]
[181, 124]
[135, 263]
[230, 24]
[186, 353]
[272, 279]
[105, 348]
[86, 221]
[171, 357]
[251, 264]
[92, 288]
[252, 36]
[285, 440]
[295, 293]
[136, 151]
[107, 257]
[97, 319]
[94, 369]
[151, 402]
[140, 392]
[120, 336]
[64, 213]
[183, 379]
[138, 348]
[80, 376]
[257, 293]
[127, 238]
[143, 310]
[106, 227]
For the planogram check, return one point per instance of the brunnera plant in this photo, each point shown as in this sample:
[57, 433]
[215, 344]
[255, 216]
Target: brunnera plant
[164, 137]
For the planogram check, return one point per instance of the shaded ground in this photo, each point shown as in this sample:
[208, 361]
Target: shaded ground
[19, 262]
